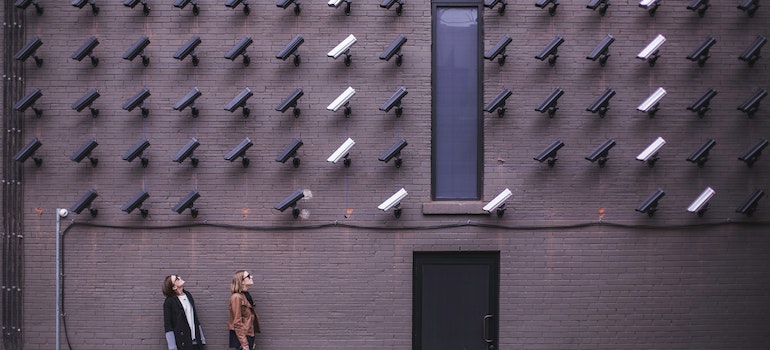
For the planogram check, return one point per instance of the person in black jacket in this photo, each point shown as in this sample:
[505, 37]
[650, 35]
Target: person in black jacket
[180, 321]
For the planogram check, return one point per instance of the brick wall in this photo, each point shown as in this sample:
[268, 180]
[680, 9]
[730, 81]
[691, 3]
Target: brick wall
[692, 283]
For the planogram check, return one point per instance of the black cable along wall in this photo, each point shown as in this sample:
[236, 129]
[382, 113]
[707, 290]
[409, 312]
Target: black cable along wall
[12, 233]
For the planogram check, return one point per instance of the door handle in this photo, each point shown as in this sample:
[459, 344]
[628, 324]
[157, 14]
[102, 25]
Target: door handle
[485, 326]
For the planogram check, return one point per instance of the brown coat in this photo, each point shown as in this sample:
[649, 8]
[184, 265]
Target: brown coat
[243, 318]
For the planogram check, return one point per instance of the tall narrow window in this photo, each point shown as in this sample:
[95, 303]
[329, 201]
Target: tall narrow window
[457, 98]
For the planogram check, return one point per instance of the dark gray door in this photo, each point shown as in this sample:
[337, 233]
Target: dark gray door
[455, 300]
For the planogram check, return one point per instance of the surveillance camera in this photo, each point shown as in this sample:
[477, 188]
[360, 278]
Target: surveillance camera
[499, 50]
[86, 101]
[394, 151]
[183, 3]
[395, 101]
[342, 100]
[749, 6]
[187, 151]
[602, 5]
[492, 3]
[240, 151]
[700, 6]
[291, 49]
[749, 206]
[387, 4]
[551, 50]
[291, 202]
[136, 151]
[240, 49]
[651, 104]
[234, 3]
[498, 203]
[291, 102]
[650, 5]
[85, 202]
[601, 105]
[29, 151]
[23, 4]
[137, 49]
[285, 3]
[188, 100]
[543, 3]
[29, 101]
[290, 152]
[188, 202]
[752, 155]
[394, 49]
[498, 103]
[602, 51]
[701, 53]
[63, 212]
[701, 155]
[138, 100]
[650, 154]
[87, 50]
[337, 3]
[550, 103]
[189, 49]
[343, 48]
[342, 152]
[700, 204]
[650, 53]
[701, 105]
[135, 202]
[133, 3]
[240, 101]
[82, 3]
[28, 50]
[394, 201]
[85, 152]
[550, 153]
[752, 53]
[751, 105]
[600, 154]
[650, 205]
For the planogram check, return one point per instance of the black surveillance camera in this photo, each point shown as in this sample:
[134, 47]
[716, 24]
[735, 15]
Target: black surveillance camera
[188, 100]
[602, 5]
[752, 53]
[87, 100]
[285, 3]
[85, 202]
[188, 201]
[701, 155]
[291, 49]
[187, 151]
[602, 51]
[549, 153]
[138, 100]
[240, 151]
[701, 53]
[183, 3]
[240, 49]
[752, 155]
[29, 151]
[28, 50]
[749, 206]
[133, 3]
[701, 105]
[136, 151]
[395, 101]
[87, 50]
[601, 105]
[394, 152]
[291, 202]
[394, 49]
[85, 152]
[751, 105]
[290, 152]
[240, 101]
[29, 101]
[291, 102]
[600, 154]
[498, 103]
[23, 4]
[137, 49]
[650, 205]
[550, 103]
[499, 50]
[699, 6]
[551, 50]
[189, 49]
[136, 202]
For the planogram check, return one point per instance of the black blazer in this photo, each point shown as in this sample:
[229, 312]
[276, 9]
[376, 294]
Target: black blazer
[175, 320]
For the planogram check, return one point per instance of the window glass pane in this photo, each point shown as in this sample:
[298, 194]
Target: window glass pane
[456, 91]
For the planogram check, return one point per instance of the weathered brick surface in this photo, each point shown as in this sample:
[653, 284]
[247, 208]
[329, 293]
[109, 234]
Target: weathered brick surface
[682, 286]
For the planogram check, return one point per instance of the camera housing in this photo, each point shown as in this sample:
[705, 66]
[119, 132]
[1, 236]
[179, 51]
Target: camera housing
[550, 103]
[602, 51]
[29, 101]
[29, 151]
[752, 155]
[136, 202]
[394, 201]
[749, 206]
[651, 52]
[600, 154]
[394, 152]
[29, 49]
[394, 49]
[650, 205]
[343, 151]
[701, 53]
[187, 151]
[87, 49]
[343, 48]
[290, 152]
[291, 101]
[701, 105]
[343, 100]
[650, 154]
[87, 100]
[188, 201]
[291, 202]
[85, 152]
[138, 100]
[189, 100]
[183, 3]
[137, 49]
[189, 49]
[137, 151]
[291, 49]
[701, 155]
[240, 151]
[240, 49]
[601, 105]
[498, 203]
[751, 106]
[240, 101]
[551, 50]
[549, 153]
[498, 103]
[499, 50]
[85, 202]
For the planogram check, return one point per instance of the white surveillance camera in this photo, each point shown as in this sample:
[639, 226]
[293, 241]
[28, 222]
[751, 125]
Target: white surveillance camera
[650, 105]
[342, 152]
[650, 52]
[342, 47]
[498, 202]
[393, 201]
[63, 212]
[342, 100]
[700, 204]
[650, 153]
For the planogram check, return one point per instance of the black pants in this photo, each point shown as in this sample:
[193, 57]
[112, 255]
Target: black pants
[235, 344]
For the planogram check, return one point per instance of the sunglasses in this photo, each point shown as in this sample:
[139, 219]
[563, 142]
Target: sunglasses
[175, 278]
[247, 276]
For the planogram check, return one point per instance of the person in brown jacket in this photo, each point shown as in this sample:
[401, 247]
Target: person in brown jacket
[243, 320]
